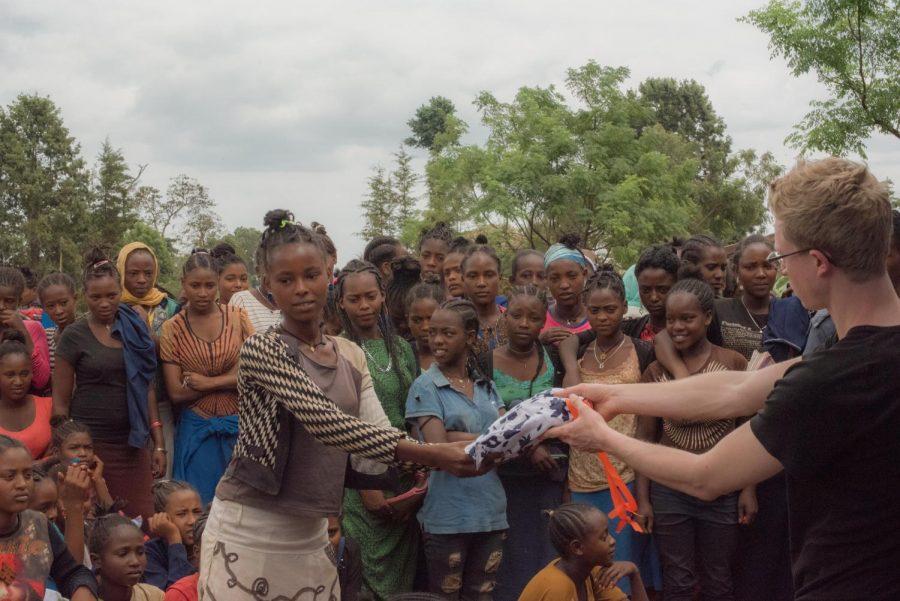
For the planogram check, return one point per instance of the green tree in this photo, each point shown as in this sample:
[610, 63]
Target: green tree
[114, 206]
[435, 125]
[390, 201]
[185, 198]
[853, 47]
[44, 187]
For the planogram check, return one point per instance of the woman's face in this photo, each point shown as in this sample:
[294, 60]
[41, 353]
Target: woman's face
[432, 253]
[598, 547]
[102, 296]
[452, 275]
[296, 276]
[234, 278]
[362, 300]
[16, 480]
[686, 321]
[605, 310]
[565, 279]
[419, 320]
[139, 270]
[15, 377]
[77, 448]
[713, 266]
[184, 508]
[59, 303]
[481, 279]
[530, 270]
[9, 299]
[447, 337]
[123, 560]
[653, 286]
[200, 287]
[755, 274]
[45, 499]
[524, 318]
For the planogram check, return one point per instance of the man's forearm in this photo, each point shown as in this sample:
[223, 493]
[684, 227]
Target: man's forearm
[716, 395]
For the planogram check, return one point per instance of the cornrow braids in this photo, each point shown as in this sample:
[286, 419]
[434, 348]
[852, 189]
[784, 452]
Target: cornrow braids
[483, 248]
[163, 489]
[568, 523]
[385, 327]
[427, 288]
[697, 287]
[280, 230]
[64, 429]
[11, 277]
[200, 258]
[605, 278]
[97, 265]
[658, 256]
[103, 529]
[56, 279]
[440, 231]
[469, 315]
[695, 246]
[533, 292]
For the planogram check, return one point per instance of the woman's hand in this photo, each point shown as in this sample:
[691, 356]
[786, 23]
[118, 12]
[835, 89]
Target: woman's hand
[97, 470]
[588, 432]
[74, 488]
[542, 459]
[747, 506]
[374, 502]
[644, 515]
[554, 335]
[453, 459]
[162, 526]
[198, 382]
[610, 575]
[159, 463]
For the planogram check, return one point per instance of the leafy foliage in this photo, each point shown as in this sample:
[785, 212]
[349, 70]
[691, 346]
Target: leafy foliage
[390, 201]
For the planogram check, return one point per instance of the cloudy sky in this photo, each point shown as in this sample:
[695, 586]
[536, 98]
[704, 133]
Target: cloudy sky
[291, 104]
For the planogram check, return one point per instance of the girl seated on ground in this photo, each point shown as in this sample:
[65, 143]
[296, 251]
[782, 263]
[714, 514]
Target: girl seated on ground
[117, 552]
[170, 555]
[584, 570]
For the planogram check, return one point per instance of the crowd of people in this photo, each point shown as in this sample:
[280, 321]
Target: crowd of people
[302, 430]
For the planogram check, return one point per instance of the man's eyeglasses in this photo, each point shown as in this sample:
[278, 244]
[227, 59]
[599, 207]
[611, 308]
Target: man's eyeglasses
[775, 260]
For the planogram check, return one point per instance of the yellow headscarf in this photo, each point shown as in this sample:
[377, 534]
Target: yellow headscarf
[155, 296]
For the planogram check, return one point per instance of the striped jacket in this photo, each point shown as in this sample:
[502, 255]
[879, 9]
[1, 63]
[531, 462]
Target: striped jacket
[272, 389]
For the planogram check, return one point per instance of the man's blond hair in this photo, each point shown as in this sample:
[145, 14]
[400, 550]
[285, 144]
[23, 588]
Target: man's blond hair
[838, 207]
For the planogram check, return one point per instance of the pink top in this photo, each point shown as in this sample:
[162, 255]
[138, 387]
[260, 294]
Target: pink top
[37, 435]
[552, 323]
[185, 589]
[40, 356]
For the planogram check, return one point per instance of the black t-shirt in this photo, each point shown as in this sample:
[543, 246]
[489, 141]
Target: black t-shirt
[833, 421]
[99, 400]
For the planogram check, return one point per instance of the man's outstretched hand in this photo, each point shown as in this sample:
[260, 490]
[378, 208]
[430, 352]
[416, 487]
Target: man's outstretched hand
[598, 395]
[588, 432]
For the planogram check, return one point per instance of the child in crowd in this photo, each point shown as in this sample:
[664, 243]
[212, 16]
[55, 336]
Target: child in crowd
[434, 244]
[451, 272]
[708, 256]
[481, 282]
[232, 272]
[567, 269]
[451, 402]
[169, 554]
[585, 570]
[421, 303]
[72, 445]
[528, 268]
[12, 283]
[31, 550]
[23, 416]
[117, 553]
[691, 534]
[521, 368]
[57, 294]
[187, 589]
[45, 498]
[347, 556]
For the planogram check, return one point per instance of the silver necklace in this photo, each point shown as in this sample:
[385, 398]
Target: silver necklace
[374, 363]
[759, 328]
[608, 354]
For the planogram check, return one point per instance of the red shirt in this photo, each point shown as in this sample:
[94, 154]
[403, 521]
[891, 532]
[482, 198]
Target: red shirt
[185, 589]
[37, 435]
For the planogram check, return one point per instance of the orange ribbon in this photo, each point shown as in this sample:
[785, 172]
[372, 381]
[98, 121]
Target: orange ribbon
[624, 505]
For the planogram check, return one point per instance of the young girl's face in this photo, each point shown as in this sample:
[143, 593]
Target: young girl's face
[755, 273]
[45, 498]
[233, 279]
[481, 279]
[452, 275]
[200, 287]
[123, 560]
[15, 376]
[565, 279]
[9, 300]
[362, 300]
[598, 547]
[184, 509]
[78, 447]
[59, 303]
[713, 266]
[139, 269]
[605, 310]
[447, 337]
[419, 320]
[686, 321]
[530, 270]
[16, 480]
[432, 253]
[102, 296]
[524, 317]
[653, 286]
[297, 278]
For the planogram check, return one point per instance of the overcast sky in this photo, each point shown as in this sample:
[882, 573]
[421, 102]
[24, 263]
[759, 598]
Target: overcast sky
[289, 104]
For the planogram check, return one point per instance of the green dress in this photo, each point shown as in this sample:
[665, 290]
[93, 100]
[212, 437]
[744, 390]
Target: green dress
[389, 548]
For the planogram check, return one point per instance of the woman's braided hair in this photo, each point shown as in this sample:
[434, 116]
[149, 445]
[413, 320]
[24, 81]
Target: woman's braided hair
[280, 230]
[540, 294]
[469, 315]
[163, 489]
[605, 278]
[569, 522]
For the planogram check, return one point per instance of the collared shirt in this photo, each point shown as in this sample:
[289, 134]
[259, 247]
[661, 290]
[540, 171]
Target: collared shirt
[458, 505]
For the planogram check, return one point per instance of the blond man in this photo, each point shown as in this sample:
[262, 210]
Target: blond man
[831, 421]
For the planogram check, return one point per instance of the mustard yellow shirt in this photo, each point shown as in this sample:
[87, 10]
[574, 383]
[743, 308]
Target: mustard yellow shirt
[552, 584]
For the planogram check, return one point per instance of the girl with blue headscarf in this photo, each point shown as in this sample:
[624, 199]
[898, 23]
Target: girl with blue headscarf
[567, 268]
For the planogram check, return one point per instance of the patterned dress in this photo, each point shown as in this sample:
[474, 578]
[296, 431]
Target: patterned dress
[389, 548]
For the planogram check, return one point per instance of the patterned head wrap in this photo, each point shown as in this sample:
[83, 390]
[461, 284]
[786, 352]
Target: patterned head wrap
[560, 252]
